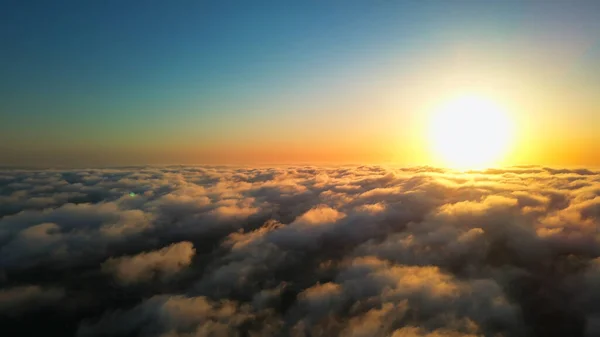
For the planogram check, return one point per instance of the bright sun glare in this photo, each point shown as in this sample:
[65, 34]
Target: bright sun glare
[470, 132]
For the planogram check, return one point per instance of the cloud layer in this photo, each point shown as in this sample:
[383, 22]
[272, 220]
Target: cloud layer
[300, 251]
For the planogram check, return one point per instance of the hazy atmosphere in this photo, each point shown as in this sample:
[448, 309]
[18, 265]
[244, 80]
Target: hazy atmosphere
[300, 168]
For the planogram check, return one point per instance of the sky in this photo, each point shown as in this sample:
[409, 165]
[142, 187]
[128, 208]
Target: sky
[223, 82]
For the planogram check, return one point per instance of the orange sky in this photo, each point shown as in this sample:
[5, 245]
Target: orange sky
[302, 85]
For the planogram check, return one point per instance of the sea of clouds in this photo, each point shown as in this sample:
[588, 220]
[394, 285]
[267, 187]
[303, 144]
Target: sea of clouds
[300, 251]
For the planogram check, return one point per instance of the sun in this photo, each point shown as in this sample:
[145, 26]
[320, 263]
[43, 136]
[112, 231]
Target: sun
[470, 132]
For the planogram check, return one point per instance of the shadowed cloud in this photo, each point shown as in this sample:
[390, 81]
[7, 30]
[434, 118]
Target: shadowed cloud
[300, 251]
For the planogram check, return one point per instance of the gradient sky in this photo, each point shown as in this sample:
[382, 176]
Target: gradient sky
[165, 82]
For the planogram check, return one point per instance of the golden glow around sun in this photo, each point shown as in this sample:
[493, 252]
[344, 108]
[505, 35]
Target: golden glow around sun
[470, 132]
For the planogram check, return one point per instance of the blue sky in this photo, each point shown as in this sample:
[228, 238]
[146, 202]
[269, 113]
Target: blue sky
[124, 74]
